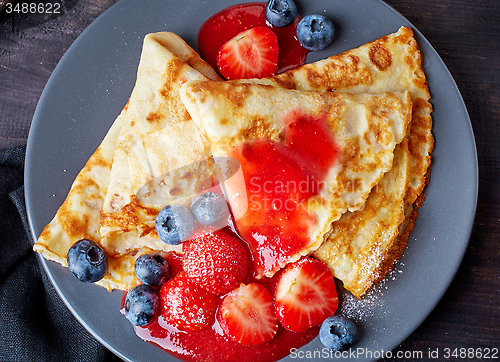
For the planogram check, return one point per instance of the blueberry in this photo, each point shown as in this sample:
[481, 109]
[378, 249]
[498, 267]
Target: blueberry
[315, 32]
[87, 261]
[152, 269]
[280, 13]
[209, 208]
[141, 304]
[174, 224]
[338, 333]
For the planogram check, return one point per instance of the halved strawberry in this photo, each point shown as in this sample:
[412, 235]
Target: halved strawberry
[187, 306]
[305, 295]
[247, 316]
[252, 53]
[215, 261]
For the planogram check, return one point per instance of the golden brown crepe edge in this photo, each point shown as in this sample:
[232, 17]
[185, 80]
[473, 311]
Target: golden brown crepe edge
[63, 226]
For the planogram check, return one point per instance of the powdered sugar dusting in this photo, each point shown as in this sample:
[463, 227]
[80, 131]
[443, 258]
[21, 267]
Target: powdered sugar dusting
[372, 304]
[360, 310]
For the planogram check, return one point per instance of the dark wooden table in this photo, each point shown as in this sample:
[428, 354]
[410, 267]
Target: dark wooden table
[466, 34]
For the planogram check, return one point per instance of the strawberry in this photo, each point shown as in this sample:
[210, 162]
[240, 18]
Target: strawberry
[247, 316]
[186, 306]
[305, 295]
[215, 261]
[252, 53]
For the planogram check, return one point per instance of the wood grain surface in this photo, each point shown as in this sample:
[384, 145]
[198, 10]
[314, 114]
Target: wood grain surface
[466, 34]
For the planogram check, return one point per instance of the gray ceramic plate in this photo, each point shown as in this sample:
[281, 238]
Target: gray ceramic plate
[92, 83]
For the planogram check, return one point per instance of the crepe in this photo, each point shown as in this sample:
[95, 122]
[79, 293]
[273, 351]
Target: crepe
[164, 56]
[360, 240]
[366, 129]
[391, 63]
[160, 154]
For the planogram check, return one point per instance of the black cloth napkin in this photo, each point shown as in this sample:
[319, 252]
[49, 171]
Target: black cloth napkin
[36, 325]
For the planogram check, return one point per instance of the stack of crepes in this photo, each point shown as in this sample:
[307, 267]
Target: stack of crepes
[373, 100]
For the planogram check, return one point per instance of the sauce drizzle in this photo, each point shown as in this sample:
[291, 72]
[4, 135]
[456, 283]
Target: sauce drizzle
[280, 177]
[228, 23]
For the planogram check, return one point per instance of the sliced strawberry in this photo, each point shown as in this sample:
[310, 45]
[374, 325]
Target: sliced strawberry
[252, 53]
[215, 261]
[305, 295]
[247, 316]
[187, 306]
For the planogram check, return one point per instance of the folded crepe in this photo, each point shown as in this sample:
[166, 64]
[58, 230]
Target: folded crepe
[165, 58]
[362, 129]
[363, 246]
[391, 63]
[359, 242]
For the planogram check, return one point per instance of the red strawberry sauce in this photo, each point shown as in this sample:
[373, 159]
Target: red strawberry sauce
[228, 23]
[210, 345]
[273, 232]
[279, 177]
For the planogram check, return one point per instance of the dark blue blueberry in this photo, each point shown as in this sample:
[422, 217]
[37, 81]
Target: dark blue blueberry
[141, 305]
[174, 224]
[315, 32]
[209, 208]
[280, 13]
[338, 333]
[152, 269]
[87, 261]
